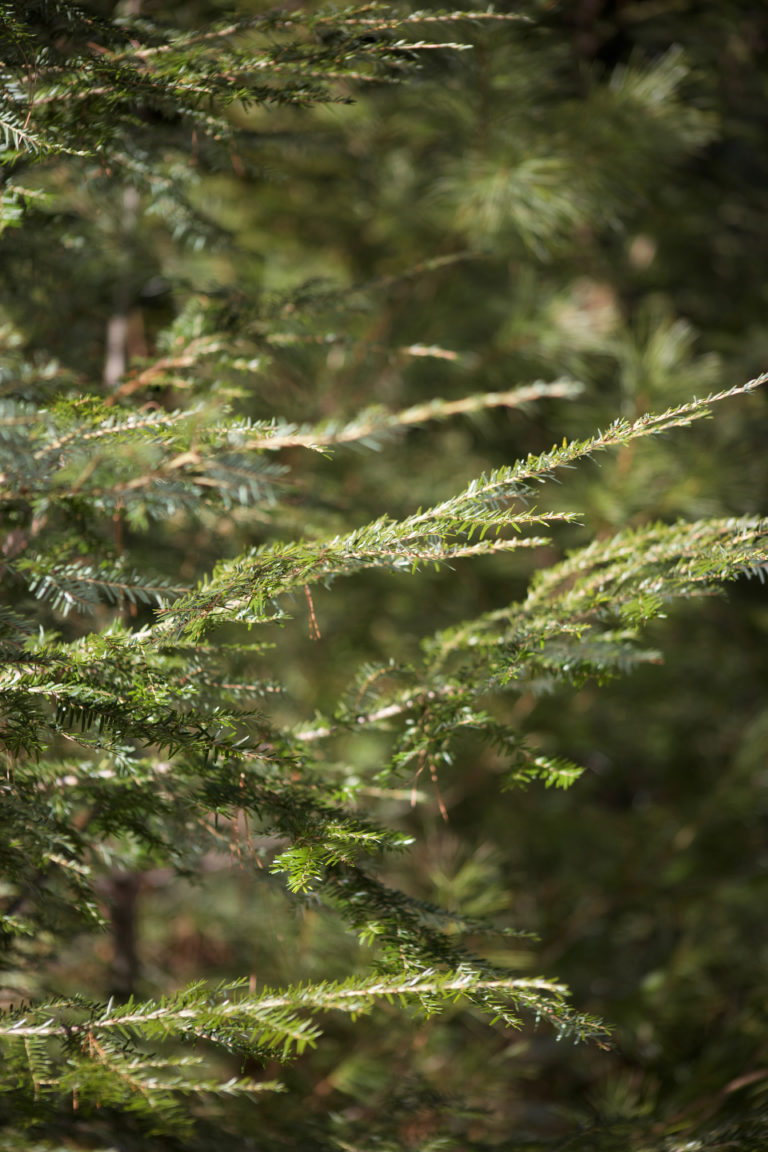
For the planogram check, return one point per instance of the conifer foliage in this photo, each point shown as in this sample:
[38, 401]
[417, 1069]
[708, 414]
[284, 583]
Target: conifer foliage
[172, 522]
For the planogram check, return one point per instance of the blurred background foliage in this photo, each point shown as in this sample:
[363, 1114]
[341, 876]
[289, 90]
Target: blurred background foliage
[580, 194]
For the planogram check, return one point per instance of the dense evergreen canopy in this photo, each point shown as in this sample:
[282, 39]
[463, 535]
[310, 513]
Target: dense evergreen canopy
[356, 502]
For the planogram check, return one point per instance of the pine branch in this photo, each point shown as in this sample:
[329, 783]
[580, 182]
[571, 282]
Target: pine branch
[370, 425]
[270, 1019]
[244, 590]
[80, 587]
